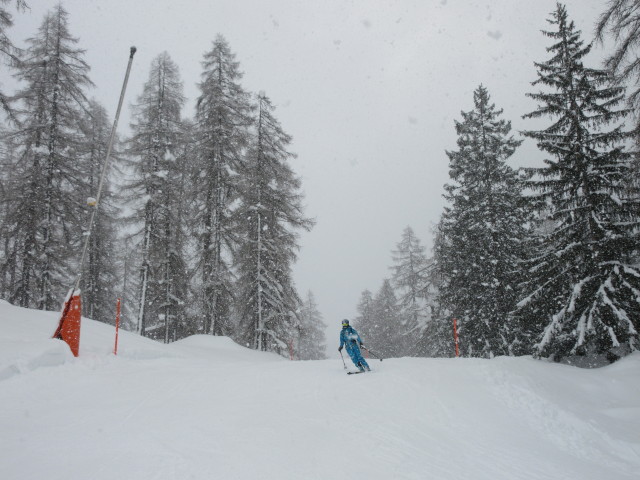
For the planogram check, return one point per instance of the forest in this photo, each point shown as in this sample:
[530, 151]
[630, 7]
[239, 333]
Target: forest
[532, 261]
[198, 226]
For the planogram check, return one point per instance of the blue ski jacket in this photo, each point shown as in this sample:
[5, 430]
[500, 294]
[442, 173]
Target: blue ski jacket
[350, 339]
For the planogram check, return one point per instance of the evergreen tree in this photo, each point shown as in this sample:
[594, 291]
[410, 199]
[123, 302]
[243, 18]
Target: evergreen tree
[437, 339]
[9, 179]
[100, 269]
[622, 21]
[312, 343]
[411, 280]
[222, 123]
[482, 231]
[581, 296]
[9, 53]
[269, 213]
[155, 148]
[184, 313]
[365, 320]
[385, 331]
[45, 207]
[127, 258]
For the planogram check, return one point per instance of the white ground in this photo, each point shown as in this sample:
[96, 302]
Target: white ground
[205, 408]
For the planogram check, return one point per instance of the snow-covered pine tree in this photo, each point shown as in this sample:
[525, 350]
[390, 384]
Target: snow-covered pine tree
[9, 53]
[222, 123]
[364, 321]
[269, 213]
[581, 296]
[482, 230]
[100, 269]
[312, 343]
[621, 21]
[384, 333]
[8, 266]
[45, 209]
[128, 259]
[437, 339]
[156, 189]
[185, 314]
[410, 278]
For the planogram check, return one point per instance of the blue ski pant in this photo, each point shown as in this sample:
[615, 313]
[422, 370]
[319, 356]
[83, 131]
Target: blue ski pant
[357, 358]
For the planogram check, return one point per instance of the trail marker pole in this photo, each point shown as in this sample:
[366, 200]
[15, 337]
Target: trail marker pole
[115, 348]
[455, 336]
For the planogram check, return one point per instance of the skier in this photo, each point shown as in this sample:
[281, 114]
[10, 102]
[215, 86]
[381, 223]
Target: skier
[349, 337]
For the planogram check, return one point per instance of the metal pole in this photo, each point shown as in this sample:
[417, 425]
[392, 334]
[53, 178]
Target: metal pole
[132, 51]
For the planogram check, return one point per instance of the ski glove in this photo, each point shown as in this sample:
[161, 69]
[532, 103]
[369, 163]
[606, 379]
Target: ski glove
[339, 349]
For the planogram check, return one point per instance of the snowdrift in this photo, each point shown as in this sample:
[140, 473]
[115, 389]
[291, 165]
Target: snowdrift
[206, 408]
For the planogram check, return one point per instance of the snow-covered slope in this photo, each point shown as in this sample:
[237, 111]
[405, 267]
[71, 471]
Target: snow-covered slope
[206, 408]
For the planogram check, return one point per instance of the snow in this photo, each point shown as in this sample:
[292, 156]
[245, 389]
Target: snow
[42, 150]
[206, 408]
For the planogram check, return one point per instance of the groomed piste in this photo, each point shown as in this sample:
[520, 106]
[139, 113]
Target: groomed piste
[206, 408]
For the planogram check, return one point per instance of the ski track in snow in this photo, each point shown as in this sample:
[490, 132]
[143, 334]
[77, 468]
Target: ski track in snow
[205, 408]
[569, 427]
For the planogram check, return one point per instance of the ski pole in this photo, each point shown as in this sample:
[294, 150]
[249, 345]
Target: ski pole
[373, 353]
[341, 356]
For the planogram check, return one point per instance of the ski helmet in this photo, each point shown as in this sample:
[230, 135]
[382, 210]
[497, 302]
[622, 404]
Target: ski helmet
[345, 323]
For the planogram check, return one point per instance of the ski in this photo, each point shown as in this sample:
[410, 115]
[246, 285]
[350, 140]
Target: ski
[353, 373]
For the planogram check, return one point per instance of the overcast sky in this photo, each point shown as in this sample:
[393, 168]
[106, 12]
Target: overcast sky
[368, 89]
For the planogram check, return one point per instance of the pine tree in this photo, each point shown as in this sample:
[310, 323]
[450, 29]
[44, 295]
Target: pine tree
[155, 148]
[581, 296]
[622, 21]
[312, 343]
[100, 268]
[269, 213]
[9, 179]
[482, 231]
[45, 208]
[411, 279]
[178, 287]
[222, 123]
[437, 338]
[9, 53]
[384, 332]
[364, 321]
[127, 258]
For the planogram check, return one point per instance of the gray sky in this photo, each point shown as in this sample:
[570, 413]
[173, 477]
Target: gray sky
[369, 90]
